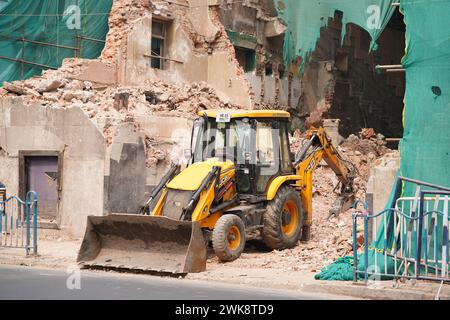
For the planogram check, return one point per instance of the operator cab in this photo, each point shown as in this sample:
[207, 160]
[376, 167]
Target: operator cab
[257, 142]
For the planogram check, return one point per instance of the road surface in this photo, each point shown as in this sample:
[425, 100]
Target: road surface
[32, 283]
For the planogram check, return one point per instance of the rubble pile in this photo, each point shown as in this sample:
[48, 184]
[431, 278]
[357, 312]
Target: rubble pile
[58, 88]
[110, 106]
[361, 151]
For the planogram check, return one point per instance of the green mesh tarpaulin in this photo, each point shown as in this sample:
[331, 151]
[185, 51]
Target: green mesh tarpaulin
[306, 17]
[425, 147]
[55, 22]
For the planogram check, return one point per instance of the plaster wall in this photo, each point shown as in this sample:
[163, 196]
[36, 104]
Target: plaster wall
[70, 133]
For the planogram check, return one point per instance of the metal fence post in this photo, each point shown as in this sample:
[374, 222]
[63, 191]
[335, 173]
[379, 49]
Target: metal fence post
[355, 248]
[35, 223]
[27, 217]
[445, 240]
[419, 235]
[366, 250]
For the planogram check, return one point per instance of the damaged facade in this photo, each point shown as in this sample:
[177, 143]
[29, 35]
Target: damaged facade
[108, 129]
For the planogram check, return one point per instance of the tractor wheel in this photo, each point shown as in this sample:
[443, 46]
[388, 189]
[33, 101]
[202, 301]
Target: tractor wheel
[283, 219]
[228, 237]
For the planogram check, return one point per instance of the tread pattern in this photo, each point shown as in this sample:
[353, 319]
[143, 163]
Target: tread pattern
[273, 235]
[220, 241]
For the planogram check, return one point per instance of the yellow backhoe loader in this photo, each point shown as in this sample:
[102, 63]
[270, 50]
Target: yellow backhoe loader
[241, 182]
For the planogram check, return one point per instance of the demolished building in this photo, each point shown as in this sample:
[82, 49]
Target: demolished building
[131, 108]
[100, 124]
[107, 124]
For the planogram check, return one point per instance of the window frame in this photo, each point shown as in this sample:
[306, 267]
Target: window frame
[163, 40]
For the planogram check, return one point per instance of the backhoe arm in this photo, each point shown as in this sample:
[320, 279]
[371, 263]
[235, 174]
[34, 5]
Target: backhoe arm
[318, 147]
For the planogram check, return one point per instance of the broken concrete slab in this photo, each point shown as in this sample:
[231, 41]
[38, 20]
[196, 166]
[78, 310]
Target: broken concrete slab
[14, 88]
[274, 28]
[49, 85]
[199, 16]
[331, 127]
[125, 184]
[98, 72]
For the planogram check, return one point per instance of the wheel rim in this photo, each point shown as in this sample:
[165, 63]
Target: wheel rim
[289, 218]
[234, 238]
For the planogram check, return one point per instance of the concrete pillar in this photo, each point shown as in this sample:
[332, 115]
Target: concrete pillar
[379, 187]
[331, 127]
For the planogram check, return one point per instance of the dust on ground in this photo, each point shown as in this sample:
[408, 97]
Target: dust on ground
[56, 249]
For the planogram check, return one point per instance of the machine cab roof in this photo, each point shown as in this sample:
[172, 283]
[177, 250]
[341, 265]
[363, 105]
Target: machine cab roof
[235, 114]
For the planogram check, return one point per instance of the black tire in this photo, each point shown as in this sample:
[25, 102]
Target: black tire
[225, 243]
[275, 235]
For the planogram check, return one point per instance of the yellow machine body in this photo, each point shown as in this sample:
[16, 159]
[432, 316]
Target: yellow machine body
[189, 203]
[190, 179]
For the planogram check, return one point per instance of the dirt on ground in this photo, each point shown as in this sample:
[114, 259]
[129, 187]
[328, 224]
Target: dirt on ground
[56, 249]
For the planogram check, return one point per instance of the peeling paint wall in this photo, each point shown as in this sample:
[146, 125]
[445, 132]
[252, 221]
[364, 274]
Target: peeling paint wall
[185, 64]
[74, 136]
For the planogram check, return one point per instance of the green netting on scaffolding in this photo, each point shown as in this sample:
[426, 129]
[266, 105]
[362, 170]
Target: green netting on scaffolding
[305, 18]
[52, 31]
[425, 147]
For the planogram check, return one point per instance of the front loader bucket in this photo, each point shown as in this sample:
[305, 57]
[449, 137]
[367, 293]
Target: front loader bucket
[147, 243]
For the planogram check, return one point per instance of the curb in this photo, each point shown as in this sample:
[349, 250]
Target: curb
[364, 292]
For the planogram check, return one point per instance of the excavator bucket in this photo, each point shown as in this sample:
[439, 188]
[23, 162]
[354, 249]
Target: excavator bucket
[146, 243]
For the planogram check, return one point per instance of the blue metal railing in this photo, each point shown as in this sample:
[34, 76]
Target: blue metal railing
[432, 252]
[412, 240]
[17, 218]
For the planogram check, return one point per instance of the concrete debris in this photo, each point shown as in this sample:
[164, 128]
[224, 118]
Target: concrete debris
[14, 88]
[368, 143]
[367, 133]
[49, 85]
[153, 153]
[121, 100]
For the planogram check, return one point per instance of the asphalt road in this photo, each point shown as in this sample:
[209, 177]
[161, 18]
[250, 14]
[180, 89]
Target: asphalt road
[48, 284]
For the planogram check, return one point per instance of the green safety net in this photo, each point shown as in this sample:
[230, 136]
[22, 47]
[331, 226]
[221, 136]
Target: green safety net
[63, 23]
[305, 18]
[425, 147]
